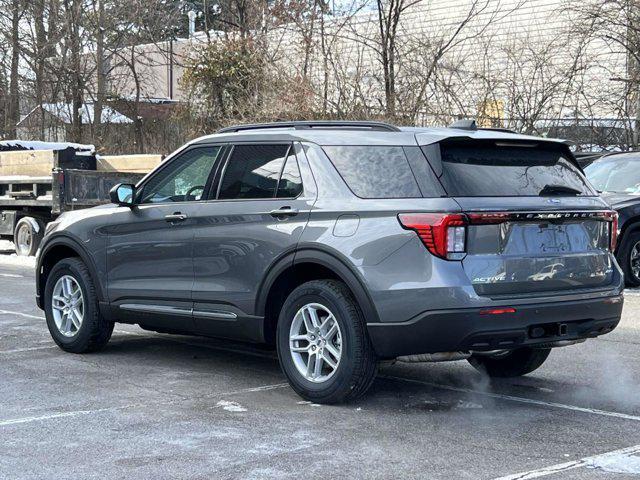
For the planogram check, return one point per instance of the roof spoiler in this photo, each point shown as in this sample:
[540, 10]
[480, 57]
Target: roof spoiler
[472, 125]
[467, 124]
[318, 124]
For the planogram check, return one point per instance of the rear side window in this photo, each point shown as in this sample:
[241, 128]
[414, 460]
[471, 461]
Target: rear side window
[374, 171]
[485, 169]
[253, 171]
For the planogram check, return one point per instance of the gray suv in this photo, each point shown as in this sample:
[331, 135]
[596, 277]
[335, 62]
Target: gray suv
[342, 244]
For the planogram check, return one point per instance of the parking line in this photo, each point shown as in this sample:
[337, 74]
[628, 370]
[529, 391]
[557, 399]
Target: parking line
[499, 396]
[75, 413]
[26, 349]
[20, 314]
[563, 467]
[512, 398]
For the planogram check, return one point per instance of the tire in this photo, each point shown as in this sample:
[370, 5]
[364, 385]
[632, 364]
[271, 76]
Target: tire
[26, 237]
[357, 365]
[94, 331]
[513, 364]
[624, 258]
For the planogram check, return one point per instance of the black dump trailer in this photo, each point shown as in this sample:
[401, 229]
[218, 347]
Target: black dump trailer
[47, 180]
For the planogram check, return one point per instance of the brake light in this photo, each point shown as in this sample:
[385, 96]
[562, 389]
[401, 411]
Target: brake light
[444, 234]
[497, 311]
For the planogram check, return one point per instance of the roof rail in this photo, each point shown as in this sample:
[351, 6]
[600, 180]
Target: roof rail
[308, 125]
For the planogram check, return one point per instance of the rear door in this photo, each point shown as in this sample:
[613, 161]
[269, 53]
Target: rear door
[255, 217]
[536, 225]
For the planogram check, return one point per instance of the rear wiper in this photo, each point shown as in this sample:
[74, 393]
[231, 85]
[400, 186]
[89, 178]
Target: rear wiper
[558, 190]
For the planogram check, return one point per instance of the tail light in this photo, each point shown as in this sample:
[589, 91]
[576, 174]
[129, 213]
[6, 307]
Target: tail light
[614, 231]
[444, 234]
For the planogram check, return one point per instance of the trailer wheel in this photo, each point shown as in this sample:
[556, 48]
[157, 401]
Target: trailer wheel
[27, 236]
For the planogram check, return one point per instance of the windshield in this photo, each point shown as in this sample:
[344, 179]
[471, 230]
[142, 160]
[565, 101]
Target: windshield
[615, 174]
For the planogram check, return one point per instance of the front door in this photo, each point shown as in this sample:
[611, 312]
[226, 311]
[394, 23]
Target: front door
[256, 216]
[150, 246]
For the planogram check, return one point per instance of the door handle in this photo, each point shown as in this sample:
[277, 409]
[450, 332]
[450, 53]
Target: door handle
[284, 212]
[175, 217]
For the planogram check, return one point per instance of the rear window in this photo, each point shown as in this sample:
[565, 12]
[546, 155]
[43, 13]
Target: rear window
[484, 169]
[383, 172]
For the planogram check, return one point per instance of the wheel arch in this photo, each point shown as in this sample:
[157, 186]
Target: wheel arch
[58, 249]
[630, 226]
[302, 266]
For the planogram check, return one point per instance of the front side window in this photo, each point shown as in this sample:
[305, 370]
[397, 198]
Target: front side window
[253, 171]
[184, 179]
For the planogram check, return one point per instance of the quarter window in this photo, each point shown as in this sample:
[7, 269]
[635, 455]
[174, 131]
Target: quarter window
[375, 171]
[290, 184]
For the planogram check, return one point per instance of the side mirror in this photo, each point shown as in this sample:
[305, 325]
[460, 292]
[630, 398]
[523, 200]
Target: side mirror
[122, 194]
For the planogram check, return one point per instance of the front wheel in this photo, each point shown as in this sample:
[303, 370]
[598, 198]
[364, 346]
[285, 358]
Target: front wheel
[514, 363]
[323, 345]
[71, 308]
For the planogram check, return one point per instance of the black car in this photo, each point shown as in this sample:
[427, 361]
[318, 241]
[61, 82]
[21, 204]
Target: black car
[617, 176]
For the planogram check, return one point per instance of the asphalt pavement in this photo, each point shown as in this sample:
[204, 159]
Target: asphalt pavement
[155, 406]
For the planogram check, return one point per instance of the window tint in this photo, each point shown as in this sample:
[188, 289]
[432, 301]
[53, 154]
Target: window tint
[184, 179]
[486, 169]
[375, 172]
[252, 171]
[290, 184]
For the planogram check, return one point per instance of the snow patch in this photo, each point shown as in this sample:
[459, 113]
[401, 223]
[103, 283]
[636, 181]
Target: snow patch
[231, 406]
[620, 463]
[36, 145]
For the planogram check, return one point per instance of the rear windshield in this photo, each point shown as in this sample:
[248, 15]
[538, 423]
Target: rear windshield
[384, 172]
[486, 170]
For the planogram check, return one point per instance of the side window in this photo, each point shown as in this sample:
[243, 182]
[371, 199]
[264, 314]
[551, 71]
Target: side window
[375, 171]
[290, 184]
[184, 179]
[253, 171]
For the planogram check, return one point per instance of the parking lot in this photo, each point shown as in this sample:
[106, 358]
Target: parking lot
[159, 406]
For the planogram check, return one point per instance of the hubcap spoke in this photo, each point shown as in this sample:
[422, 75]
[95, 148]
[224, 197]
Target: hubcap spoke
[315, 342]
[329, 361]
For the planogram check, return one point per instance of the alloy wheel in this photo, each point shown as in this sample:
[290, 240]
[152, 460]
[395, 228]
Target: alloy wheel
[67, 305]
[315, 342]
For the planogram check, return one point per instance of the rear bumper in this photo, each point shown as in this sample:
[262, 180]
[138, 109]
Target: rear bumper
[469, 329]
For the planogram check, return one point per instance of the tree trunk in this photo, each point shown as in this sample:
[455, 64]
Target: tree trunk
[41, 54]
[76, 74]
[13, 116]
[100, 74]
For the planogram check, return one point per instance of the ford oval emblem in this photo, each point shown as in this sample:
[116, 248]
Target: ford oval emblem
[555, 201]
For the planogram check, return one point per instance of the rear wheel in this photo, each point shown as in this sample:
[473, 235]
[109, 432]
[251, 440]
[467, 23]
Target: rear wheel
[629, 259]
[514, 363]
[71, 308]
[27, 236]
[323, 345]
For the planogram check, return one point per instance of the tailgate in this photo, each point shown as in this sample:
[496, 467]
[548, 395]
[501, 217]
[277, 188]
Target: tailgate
[537, 251]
